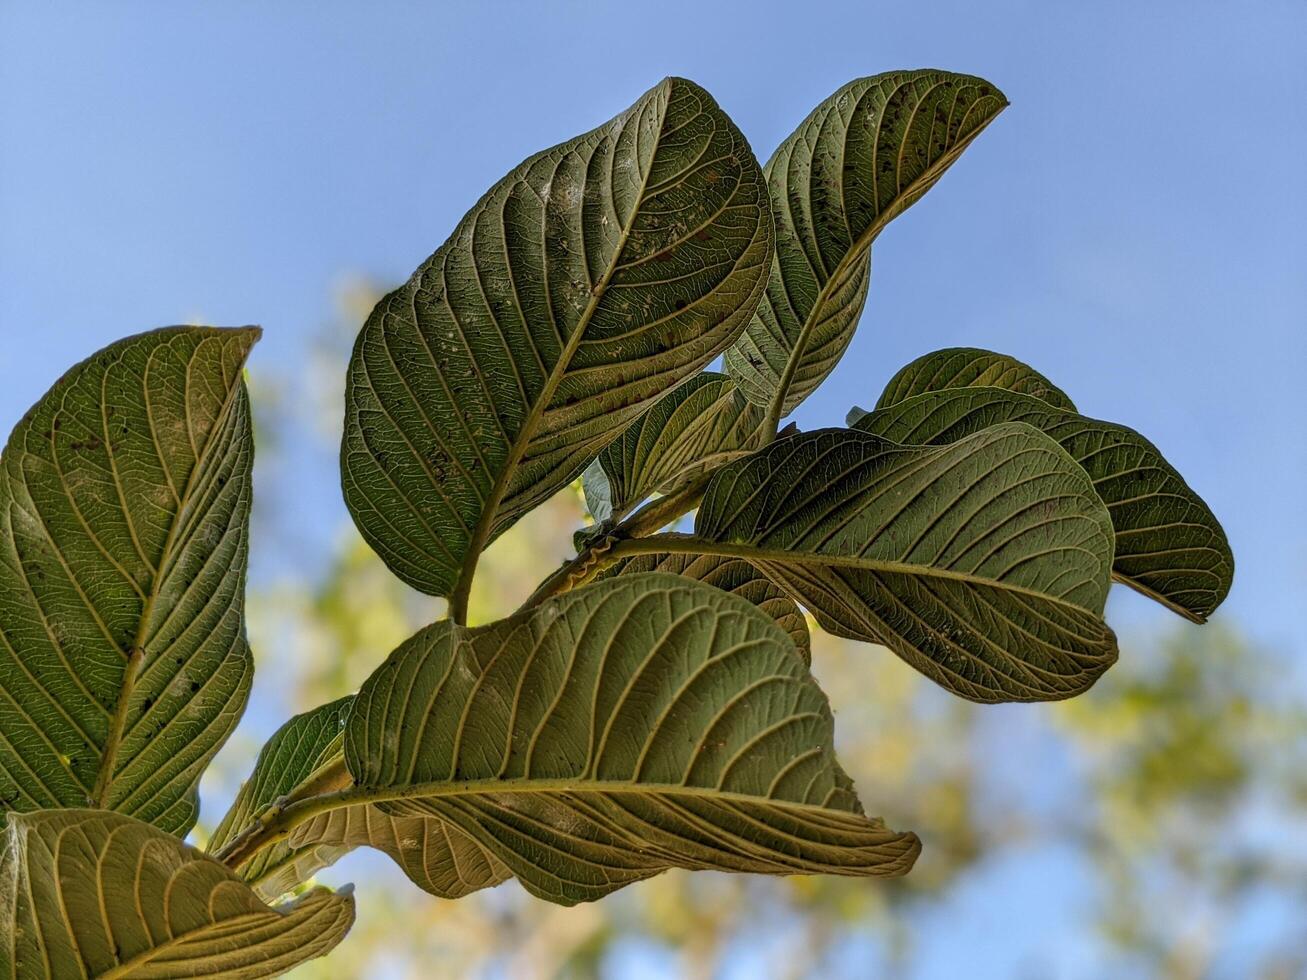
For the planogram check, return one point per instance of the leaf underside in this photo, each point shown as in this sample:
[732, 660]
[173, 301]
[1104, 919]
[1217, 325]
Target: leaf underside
[435, 855]
[124, 497]
[703, 424]
[591, 280]
[642, 723]
[303, 746]
[1169, 544]
[984, 564]
[862, 157]
[971, 367]
[438, 858]
[96, 893]
[734, 575]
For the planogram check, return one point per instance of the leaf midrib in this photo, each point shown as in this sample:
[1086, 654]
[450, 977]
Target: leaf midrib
[136, 658]
[458, 600]
[527, 786]
[690, 544]
[125, 969]
[235, 923]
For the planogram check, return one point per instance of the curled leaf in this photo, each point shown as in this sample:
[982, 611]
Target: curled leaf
[641, 723]
[90, 893]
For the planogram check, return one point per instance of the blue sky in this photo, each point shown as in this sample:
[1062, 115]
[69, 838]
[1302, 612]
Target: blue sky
[1135, 225]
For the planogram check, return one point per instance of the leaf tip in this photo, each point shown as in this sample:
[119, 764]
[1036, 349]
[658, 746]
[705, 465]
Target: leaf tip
[671, 83]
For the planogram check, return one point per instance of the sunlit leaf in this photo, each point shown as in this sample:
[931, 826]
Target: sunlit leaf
[90, 893]
[642, 723]
[984, 564]
[863, 156]
[586, 284]
[733, 575]
[124, 497]
[1169, 545]
[305, 745]
[701, 425]
[970, 367]
[438, 858]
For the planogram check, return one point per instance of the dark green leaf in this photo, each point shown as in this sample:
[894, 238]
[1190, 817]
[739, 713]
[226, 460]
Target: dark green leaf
[701, 425]
[970, 367]
[861, 158]
[89, 893]
[984, 564]
[1169, 545]
[125, 496]
[587, 283]
[642, 723]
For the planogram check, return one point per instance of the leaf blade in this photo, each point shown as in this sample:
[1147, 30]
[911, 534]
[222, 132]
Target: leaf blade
[984, 564]
[95, 893]
[124, 498]
[701, 425]
[592, 279]
[733, 575]
[970, 367]
[519, 734]
[1169, 544]
[862, 157]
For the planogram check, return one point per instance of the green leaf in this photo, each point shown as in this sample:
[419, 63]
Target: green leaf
[1169, 545]
[863, 156]
[984, 564]
[438, 858]
[89, 893]
[642, 723]
[701, 425]
[124, 496]
[732, 575]
[970, 367]
[306, 745]
[591, 280]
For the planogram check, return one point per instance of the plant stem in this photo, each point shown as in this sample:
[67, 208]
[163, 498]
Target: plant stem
[649, 519]
[328, 780]
[276, 823]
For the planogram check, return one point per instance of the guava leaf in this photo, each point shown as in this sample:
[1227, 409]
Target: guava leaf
[124, 522]
[1169, 544]
[590, 281]
[701, 425]
[92, 893]
[637, 724]
[860, 159]
[985, 564]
